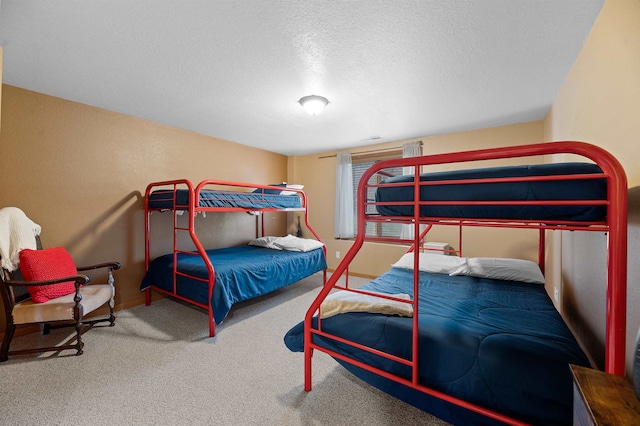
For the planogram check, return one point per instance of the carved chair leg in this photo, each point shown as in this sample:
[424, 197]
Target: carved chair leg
[112, 302]
[6, 341]
[112, 317]
[79, 344]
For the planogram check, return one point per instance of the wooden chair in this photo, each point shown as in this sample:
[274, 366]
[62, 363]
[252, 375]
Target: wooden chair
[63, 311]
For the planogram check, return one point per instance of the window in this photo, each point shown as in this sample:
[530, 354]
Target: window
[359, 165]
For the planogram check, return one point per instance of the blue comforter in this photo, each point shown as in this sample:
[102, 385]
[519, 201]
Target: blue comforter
[499, 344]
[241, 273]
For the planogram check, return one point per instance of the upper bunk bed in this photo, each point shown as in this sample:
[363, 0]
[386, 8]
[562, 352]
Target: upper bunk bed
[215, 279]
[262, 198]
[474, 340]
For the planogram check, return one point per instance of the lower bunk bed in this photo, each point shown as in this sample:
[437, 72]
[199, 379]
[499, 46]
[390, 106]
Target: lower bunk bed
[474, 340]
[241, 273]
[494, 343]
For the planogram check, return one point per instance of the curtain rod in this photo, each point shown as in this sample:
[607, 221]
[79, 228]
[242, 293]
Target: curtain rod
[368, 152]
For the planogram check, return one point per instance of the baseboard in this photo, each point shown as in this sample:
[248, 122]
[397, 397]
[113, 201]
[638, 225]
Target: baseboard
[355, 274]
[24, 330]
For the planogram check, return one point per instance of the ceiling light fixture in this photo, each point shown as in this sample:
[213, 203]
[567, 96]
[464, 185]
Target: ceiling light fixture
[313, 104]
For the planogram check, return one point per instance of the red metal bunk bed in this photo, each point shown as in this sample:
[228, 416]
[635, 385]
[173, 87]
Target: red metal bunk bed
[192, 275]
[404, 372]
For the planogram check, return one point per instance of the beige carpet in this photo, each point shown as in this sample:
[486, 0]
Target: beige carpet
[158, 367]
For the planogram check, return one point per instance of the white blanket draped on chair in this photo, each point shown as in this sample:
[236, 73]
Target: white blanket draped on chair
[17, 232]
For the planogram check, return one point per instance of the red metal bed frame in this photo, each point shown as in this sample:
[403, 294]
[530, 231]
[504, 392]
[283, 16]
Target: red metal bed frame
[192, 209]
[615, 226]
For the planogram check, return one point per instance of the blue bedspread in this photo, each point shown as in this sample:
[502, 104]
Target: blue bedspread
[582, 189]
[498, 344]
[241, 273]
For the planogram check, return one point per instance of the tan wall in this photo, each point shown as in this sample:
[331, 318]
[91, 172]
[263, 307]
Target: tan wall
[80, 172]
[600, 103]
[318, 176]
[0, 85]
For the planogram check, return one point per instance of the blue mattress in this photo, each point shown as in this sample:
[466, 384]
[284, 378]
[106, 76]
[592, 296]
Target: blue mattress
[241, 273]
[579, 189]
[163, 200]
[498, 344]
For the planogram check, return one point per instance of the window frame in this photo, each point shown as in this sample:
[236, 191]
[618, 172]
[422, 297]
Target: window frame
[357, 171]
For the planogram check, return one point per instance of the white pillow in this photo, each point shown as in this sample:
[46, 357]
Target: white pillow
[293, 186]
[431, 263]
[293, 243]
[266, 242]
[501, 269]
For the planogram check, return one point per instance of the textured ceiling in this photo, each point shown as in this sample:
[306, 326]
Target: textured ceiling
[391, 69]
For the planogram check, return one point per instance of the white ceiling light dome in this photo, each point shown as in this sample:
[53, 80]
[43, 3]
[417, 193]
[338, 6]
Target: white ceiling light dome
[313, 104]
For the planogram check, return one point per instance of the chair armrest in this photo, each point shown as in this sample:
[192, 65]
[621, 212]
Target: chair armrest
[112, 265]
[78, 279]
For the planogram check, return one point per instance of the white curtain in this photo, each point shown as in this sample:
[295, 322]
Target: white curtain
[412, 149]
[343, 224]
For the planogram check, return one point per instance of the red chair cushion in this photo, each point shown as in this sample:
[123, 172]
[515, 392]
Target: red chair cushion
[47, 264]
